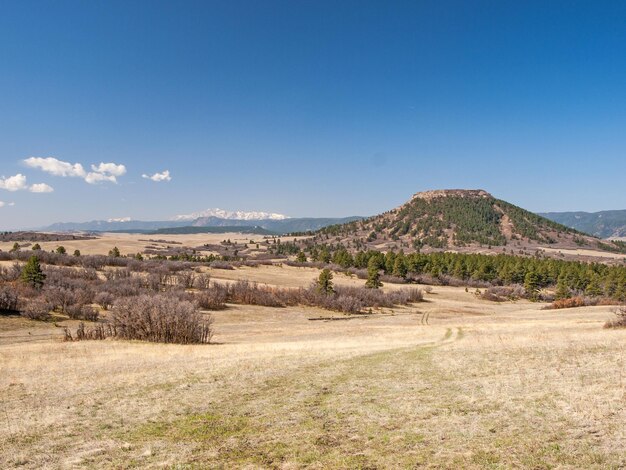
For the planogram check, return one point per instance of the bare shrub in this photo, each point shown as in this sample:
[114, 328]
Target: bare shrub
[221, 265]
[8, 299]
[104, 299]
[60, 298]
[249, 293]
[96, 332]
[186, 279]
[82, 312]
[114, 274]
[212, 299]
[36, 309]
[160, 319]
[504, 293]
[620, 321]
[203, 281]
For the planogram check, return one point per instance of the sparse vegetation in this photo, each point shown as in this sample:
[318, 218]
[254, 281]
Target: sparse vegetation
[620, 320]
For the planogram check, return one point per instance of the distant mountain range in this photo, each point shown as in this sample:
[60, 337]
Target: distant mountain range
[270, 224]
[604, 224]
[231, 215]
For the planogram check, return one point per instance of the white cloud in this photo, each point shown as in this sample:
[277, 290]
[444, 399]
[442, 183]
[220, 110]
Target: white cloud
[109, 168]
[102, 172]
[105, 172]
[41, 188]
[14, 183]
[94, 178]
[18, 183]
[56, 167]
[164, 176]
[2, 204]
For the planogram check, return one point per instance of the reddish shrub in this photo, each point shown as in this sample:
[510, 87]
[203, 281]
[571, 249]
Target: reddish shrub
[572, 302]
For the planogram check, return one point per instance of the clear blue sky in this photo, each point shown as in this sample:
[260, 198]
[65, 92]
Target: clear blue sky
[308, 108]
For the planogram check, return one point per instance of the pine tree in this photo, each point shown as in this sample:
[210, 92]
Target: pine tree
[76, 253]
[115, 252]
[325, 282]
[32, 273]
[593, 288]
[562, 291]
[36, 247]
[301, 258]
[16, 247]
[399, 267]
[532, 284]
[324, 255]
[61, 250]
[373, 275]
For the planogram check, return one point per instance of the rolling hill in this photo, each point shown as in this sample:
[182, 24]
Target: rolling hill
[460, 219]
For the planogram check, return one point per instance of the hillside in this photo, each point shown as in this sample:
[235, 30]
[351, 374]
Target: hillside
[462, 220]
[604, 224]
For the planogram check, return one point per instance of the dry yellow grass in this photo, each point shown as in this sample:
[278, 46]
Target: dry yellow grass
[136, 243]
[483, 385]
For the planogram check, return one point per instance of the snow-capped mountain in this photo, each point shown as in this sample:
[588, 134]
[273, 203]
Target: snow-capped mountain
[231, 215]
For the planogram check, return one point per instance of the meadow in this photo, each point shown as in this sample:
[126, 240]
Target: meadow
[454, 381]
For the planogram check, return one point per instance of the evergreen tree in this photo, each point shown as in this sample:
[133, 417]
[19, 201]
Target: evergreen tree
[32, 273]
[325, 282]
[61, 250]
[562, 291]
[115, 252]
[324, 255]
[373, 275]
[399, 267]
[532, 284]
[76, 253]
[36, 247]
[593, 288]
[16, 247]
[301, 258]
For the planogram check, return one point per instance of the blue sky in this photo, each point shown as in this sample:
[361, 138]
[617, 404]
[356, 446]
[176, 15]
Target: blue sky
[308, 108]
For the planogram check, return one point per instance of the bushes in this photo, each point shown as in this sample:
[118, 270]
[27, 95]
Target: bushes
[503, 293]
[82, 312]
[342, 299]
[8, 300]
[248, 293]
[572, 302]
[620, 321]
[36, 309]
[213, 299]
[160, 319]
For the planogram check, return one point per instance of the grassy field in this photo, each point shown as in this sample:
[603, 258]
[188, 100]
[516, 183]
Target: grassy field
[483, 385]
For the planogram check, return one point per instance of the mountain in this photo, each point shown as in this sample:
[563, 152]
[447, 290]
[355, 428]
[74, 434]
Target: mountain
[604, 224]
[463, 219]
[231, 215]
